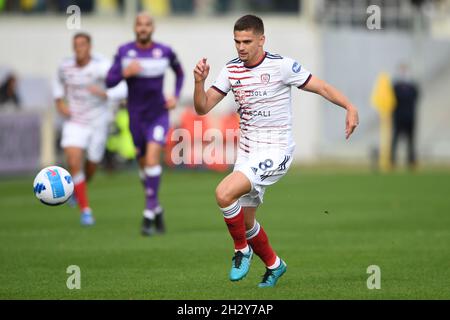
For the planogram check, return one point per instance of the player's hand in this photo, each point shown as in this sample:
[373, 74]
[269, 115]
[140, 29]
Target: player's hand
[351, 121]
[64, 111]
[62, 108]
[171, 102]
[201, 70]
[97, 91]
[132, 69]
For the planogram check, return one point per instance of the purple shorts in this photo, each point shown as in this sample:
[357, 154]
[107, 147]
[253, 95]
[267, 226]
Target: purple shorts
[144, 131]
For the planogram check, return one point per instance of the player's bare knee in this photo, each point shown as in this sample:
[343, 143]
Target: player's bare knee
[223, 197]
[152, 163]
[152, 160]
[74, 166]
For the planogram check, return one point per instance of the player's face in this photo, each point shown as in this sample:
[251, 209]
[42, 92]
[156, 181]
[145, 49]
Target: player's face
[249, 45]
[143, 28]
[82, 48]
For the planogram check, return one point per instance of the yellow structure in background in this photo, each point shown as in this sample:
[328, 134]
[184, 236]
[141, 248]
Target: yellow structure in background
[122, 142]
[48, 138]
[156, 8]
[28, 4]
[384, 101]
[107, 5]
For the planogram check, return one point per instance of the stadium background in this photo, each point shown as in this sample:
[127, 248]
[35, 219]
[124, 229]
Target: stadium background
[334, 197]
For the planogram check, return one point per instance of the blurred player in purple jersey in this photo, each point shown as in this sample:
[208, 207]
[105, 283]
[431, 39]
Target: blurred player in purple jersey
[143, 63]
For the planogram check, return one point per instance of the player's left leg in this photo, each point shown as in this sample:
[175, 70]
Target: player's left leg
[96, 144]
[152, 170]
[228, 192]
[89, 171]
[90, 168]
[263, 170]
[75, 141]
[74, 156]
[155, 135]
[258, 240]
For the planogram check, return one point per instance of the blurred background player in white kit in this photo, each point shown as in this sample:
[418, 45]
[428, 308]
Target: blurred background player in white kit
[81, 98]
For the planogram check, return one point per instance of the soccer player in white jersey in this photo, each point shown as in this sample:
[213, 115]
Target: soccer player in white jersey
[261, 83]
[81, 98]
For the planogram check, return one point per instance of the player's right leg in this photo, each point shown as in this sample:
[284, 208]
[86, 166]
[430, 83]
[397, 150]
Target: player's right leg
[74, 142]
[89, 169]
[74, 158]
[151, 170]
[228, 193]
[139, 139]
[149, 139]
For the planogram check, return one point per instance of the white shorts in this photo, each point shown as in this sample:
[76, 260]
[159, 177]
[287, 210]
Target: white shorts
[262, 169]
[90, 138]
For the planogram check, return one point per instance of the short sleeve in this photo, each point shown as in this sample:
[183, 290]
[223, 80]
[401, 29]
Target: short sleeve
[222, 83]
[294, 74]
[119, 92]
[104, 67]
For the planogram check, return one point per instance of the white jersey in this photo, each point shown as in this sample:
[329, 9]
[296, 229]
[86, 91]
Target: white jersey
[263, 95]
[73, 82]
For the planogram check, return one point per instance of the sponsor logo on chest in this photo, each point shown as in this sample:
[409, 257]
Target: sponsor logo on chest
[254, 113]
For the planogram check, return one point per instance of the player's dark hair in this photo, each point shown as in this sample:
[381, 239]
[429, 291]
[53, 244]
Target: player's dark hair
[82, 35]
[250, 22]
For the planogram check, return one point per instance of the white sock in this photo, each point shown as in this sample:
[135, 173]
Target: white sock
[244, 250]
[153, 171]
[78, 178]
[158, 210]
[276, 264]
[142, 175]
[149, 214]
[253, 232]
[232, 210]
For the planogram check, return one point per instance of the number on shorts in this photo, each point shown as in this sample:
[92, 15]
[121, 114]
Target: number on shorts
[158, 133]
[266, 164]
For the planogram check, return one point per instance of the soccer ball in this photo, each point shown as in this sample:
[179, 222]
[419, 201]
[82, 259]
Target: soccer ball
[53, 185]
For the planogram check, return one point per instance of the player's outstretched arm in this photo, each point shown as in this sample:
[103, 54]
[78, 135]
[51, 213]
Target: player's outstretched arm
[333, 95]
[204, 101]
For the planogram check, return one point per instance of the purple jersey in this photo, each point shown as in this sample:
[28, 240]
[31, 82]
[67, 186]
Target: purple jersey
[145, 91]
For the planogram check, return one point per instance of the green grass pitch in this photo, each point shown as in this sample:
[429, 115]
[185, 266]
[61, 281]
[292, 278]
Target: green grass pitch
[328, 227]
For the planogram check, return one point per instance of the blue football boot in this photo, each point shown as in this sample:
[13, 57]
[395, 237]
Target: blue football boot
[87, 219]
[271, 276]
[241, 265]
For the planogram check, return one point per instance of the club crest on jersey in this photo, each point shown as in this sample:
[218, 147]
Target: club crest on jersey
[296, 67]
[157, 53]
[265, 78]
[132, 53]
